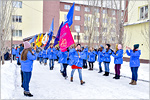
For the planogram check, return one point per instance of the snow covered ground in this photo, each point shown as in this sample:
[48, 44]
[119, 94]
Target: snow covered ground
[47, 84]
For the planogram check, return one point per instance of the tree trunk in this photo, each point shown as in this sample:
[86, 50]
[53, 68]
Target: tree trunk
[101, 23]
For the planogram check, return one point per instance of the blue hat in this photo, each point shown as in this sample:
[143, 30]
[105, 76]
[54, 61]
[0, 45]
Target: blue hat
[102, 46]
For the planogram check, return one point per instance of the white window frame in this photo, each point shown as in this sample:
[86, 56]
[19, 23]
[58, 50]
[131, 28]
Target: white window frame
[144, 12]
[76, 27]
[16, 33]
[17, 4]
[66, 7]
[113, 12]
[104, 11]
[77, 8]
[16, 17]
[87, 9]
[77, 18]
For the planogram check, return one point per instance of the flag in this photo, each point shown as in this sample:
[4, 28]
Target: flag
[34, 43]
[66, 38]
[44, 40]
[50, 34]
[40, 41]
[37, 39]
[58, 35]
[32, 40]
[69, 18]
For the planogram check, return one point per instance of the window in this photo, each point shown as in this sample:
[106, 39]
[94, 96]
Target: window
[113, 21]
[85, 28]
[67, 7]
[121, 13]
[104, 29]
[65, 16]
[77, 8]
[17, 33]
[144, 12]
[17, 18]
[77, 17]
[86, 18]
[86, 37]
[97, 19]
[96, 38]
[76, 27]
[17, 4]
[104, 11]
[96, 10]
[87, 9]
[104, 20]
[113, 12]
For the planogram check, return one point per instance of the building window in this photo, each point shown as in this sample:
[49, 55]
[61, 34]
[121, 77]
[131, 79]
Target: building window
[87, 9]
[144, 12]
[113, 12]
[104, 11]
[113, 21]
[77, 8]
[17, 33]
[85, 28]
[77, 17]
[17, 18]
[86, 18]
[121, 13]
[96, 10]
[67, 7]
[76, 27]
[104, 20]
[96, 38]
[86, 37]
[65, 16]
[17, 4]
[104, 29]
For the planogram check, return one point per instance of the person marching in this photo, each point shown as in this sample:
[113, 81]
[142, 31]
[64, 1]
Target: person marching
[107, 59]
[91, 58]
[100, 57]
[44, 55]
[27, 58]
[76, 62]
[40, 56]
[51, 55]
[85, 52]
[118, 60]
[14, 50]
[134, 62]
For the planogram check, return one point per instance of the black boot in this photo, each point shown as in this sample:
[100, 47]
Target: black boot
[100, 70]
[28, 94]
[107, 74]
[115, 76]
[104, 74]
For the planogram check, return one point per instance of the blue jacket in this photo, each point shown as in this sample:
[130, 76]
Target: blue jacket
[27, 65]
[107, 55]
[63, 57]
[85, 53]
[134, 58]
[100, 56]
[40, 54]
[44, 54]
[91, 56]
[17, 52]
[74, 58]
[52, 55]
[14, 51]
[118, 57]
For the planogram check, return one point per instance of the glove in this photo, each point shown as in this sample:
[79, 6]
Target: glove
[111, 50]
[67, 58]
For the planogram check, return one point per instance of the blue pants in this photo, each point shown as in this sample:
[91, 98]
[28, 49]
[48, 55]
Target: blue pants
[134, 71]
[100, 64]
[40, 59]
[65, 70]
[51, 63]
[45, 60]
[79, 71]
[26, 80]
[106, 64]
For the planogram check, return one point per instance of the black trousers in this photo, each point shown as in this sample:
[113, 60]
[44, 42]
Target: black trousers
[21, 77]
[14, 57]
[65, 70]
[84, 63]
[91, 65]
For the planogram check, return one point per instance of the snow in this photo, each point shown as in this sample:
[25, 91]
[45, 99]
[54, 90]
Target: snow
[47, 84]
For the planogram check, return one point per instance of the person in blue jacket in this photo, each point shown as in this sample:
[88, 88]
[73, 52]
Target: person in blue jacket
[40, 57]
[61, 65]
[51, 52]
[107, 59]
[100, 57]
[134, 62]
[76, 62]
[27, 58]
[118, 60]
[91, 58]
[85, 53]
[44, 55]
[14, 53]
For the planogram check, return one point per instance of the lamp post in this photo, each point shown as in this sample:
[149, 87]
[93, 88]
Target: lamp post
[78, 31]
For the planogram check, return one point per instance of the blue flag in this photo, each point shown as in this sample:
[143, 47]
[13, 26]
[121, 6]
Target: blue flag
[58, 35]
[69, 18]
[32, 40]
[50, 34]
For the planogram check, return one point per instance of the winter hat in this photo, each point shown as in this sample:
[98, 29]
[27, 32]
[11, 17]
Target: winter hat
[101, 46]
[26, 45]
[136, 46]
[108, 45]
[119, 46]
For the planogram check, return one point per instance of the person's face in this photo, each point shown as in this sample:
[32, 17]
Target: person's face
[78, 47]
[106, 47]
[51, 45]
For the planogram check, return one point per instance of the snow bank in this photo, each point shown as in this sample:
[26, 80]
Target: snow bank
[7, 80]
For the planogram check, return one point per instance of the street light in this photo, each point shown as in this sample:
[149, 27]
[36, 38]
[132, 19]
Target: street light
[78, 31]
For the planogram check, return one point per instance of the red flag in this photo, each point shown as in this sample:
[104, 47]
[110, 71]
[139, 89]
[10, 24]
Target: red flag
[66, 38]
